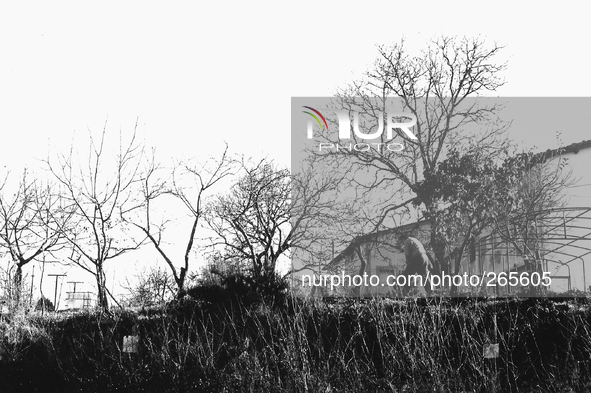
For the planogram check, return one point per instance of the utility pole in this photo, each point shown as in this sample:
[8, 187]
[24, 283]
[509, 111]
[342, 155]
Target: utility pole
[55, 292]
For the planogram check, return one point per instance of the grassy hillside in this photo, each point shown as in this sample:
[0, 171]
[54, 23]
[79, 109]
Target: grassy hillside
[300, 345]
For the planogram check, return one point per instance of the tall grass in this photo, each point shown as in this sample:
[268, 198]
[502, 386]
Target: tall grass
[307, 346]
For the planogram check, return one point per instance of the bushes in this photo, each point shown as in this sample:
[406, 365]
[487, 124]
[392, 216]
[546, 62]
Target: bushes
[246, 290]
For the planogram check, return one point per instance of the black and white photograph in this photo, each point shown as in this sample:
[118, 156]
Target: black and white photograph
[316, 197]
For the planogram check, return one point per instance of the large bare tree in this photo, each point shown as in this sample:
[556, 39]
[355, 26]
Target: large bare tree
[436, 87]
[96, 186]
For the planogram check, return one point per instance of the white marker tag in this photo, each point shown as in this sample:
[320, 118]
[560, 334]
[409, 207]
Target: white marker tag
[490, 351]
[130, 344]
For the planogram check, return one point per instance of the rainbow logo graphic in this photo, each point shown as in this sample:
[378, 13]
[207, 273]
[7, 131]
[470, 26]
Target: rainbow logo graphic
[317, 119]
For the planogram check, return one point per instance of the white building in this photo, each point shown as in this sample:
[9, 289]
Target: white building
[559, 244]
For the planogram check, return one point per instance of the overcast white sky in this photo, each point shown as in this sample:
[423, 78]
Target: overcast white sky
[196, 74]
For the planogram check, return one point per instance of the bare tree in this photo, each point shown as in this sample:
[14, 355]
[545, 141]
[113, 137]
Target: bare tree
[269, 214]
[24, 230]
[190, 183]
[95, 191]
[252, 221]
[435, 87]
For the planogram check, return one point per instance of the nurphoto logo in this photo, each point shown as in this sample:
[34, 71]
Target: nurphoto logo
[393, 123]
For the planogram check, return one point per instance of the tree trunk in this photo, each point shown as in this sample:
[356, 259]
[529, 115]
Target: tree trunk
[101, 284]
[18, 285]
[181, 283]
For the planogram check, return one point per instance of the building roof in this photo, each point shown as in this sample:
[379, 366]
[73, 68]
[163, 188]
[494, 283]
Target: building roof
[573, 148]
